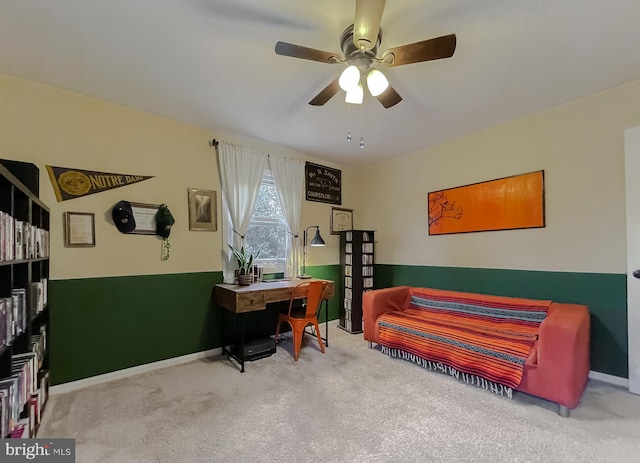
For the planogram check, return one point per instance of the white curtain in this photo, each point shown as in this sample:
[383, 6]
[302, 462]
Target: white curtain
[288, 175]
[241, 172]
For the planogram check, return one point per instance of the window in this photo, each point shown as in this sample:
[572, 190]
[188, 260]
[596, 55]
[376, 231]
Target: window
[268, 231]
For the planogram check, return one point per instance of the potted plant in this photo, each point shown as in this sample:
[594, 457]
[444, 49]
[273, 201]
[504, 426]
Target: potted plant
[245, 262]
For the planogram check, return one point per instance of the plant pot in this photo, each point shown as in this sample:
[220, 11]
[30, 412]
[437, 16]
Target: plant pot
[245, 280]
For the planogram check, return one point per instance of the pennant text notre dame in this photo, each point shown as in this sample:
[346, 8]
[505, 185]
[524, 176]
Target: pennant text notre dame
[71, 183]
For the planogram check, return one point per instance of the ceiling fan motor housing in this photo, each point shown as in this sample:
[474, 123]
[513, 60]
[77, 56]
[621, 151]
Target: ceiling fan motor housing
[354, 55]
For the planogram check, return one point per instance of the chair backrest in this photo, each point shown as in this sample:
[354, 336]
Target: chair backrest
[314, 291]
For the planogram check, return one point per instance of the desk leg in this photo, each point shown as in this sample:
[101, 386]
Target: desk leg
[226, 348]
[230, 351]
[241, 343]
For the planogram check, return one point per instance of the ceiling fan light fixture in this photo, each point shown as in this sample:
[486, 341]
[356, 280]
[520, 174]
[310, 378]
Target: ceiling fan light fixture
[377, 82]
[360, 43]
[350, 78]
[355, 95]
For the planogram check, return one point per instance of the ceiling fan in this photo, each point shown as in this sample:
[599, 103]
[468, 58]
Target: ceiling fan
[359, 43]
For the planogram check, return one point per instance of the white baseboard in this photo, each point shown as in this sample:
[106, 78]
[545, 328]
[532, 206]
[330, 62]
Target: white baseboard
[99, 379]
[616, 380]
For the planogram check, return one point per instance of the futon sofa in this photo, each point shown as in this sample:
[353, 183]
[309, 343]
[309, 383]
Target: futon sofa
[498, 343]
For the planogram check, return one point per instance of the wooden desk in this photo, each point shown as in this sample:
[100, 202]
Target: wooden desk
[239, 299]
[243, 299]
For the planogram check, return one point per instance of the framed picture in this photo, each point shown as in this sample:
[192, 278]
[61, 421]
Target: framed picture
[507, 203]
[341, 219]
[203, 210]
[79, 229]
[145, 216]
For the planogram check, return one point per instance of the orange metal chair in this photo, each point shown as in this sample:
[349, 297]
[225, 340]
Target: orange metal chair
[301, 317]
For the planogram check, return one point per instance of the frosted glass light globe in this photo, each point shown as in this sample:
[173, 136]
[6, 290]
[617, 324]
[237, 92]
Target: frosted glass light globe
[350, 78]
[355, 95]
[377, 82]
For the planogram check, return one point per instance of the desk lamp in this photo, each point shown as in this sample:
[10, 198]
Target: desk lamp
[316, 241]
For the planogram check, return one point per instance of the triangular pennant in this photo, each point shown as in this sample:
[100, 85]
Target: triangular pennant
[69, 183]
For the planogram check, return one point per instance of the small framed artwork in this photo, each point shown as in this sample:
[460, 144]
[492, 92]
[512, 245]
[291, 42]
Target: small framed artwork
[202, 210]
[79, 229]
[341, 219]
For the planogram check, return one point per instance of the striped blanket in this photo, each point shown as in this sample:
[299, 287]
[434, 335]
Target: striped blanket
[488, 337]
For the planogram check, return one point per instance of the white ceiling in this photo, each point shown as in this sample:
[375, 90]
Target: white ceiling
[211, 63]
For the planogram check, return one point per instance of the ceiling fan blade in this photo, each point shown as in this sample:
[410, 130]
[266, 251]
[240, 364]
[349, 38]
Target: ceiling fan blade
[427, 50]
[389, 97]
[366, 23]
[298, 51]
[326, 94]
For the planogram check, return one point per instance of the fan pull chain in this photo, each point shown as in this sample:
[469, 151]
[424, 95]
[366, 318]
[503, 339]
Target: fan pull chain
[349, 115]
[361, 128]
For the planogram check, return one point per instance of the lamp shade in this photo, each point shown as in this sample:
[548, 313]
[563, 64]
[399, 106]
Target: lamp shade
[377, 82]
[355, 95]
[317, 239]
[350, 78]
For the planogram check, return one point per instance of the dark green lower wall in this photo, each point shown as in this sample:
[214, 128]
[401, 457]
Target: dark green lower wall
[100, 325]
[605, 294]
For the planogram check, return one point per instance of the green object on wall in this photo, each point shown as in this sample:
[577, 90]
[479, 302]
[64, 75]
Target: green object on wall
[604, 293]
[101, 325]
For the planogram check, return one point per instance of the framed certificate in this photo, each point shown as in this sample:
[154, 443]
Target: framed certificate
[79, 229]
[145, 217]
[341, 219]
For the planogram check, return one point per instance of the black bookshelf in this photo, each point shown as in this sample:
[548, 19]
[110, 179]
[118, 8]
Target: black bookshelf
[24, 309]
[356, 274]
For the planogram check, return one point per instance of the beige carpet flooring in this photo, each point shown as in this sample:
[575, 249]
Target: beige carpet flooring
[352, 404]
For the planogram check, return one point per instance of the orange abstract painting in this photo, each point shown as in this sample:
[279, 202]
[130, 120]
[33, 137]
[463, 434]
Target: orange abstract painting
[503, 204]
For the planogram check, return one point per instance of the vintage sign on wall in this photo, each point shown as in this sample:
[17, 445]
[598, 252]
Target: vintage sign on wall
[323, 184]
[69, 183]
[503, 204]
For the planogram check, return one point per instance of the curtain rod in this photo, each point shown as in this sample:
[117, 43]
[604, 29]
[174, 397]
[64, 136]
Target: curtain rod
[214, 143]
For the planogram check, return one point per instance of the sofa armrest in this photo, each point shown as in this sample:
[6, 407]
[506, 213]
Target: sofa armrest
[379, 301]
[563, 352]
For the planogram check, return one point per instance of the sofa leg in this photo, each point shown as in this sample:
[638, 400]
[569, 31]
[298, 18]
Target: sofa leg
[563, 411]
[370, 344]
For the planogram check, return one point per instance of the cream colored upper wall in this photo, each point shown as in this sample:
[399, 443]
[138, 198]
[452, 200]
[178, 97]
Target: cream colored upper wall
[48, 126]
[579, 145]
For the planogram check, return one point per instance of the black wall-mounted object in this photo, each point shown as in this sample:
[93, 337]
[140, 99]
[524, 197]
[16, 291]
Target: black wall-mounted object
[322, 184]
